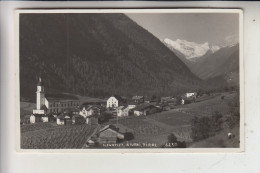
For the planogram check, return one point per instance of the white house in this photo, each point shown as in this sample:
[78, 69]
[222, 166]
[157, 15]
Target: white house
[38, 118]
[114, 101]
[61, 119]
[145, 109]
[191, 94]
[91, 110]
[122, 111]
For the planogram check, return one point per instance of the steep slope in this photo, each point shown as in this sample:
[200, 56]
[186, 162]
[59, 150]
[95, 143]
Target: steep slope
[209, 61]
[97, 55]
[222, 62]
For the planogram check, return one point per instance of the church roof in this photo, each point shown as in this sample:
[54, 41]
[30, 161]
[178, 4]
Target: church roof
[44, 107]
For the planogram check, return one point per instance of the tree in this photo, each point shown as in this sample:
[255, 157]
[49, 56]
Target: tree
[172, 138]
[204, 127]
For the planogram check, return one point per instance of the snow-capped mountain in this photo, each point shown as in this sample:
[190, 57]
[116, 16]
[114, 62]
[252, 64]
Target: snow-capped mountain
[205, 60]
[190, 50]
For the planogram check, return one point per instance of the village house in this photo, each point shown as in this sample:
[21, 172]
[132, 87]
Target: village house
[46, 106]
[35, 119]
[145, 109]
[63, 119]
[138, 99]
[122, 111]
[109, 135]
[114, 101]
[190, 94]
[91, 111]
[131, 104]
[169, 100]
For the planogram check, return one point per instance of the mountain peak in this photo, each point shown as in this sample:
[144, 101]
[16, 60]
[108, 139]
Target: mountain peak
[189, 49]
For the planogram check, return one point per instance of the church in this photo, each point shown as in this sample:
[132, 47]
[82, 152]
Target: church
[46, 106]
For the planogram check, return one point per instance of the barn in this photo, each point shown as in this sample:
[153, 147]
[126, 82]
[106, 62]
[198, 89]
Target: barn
[109, 135]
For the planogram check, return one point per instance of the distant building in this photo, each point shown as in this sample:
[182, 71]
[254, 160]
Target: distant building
[62, 119]
[109, 135]
[122, 111]
[190, 94]
[114, 101]
[35, 119]
[138, 99]
[91, 111]
[145, 109]
[45, 106]
[132, 105]
[39, 118]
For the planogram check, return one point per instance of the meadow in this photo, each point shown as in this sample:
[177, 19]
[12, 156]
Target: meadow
[156, 127]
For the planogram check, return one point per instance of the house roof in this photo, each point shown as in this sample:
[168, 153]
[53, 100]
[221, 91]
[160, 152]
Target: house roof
[119, 98]
[44, 107]
[107, 127]
[63, 116]
[137, 97]
[113, 129]
[143, 106]
[94, 107]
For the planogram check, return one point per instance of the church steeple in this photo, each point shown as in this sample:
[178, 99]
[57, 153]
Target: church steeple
[40, 83]
[40, 86]
[40, 94]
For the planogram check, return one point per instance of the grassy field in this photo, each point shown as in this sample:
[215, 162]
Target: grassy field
[156, 127]
[172, 118]
[207, 105]
[52, 136]
[220, 140]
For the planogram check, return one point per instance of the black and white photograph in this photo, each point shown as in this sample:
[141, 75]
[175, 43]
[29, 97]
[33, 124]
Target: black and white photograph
[130, 79]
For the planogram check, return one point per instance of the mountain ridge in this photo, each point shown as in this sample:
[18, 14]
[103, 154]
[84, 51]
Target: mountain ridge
[212, 63]
[97, 55]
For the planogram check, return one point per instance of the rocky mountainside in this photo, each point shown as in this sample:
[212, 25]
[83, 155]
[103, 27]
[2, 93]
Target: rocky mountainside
[222, 62]
[97, 55]
[190, 50]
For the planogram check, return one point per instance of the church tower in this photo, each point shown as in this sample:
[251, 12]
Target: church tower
[40, 95]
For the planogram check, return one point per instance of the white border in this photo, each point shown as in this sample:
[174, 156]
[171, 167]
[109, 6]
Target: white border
[130, 150]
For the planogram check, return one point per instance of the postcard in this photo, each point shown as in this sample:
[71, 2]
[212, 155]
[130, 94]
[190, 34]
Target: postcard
[130, 80]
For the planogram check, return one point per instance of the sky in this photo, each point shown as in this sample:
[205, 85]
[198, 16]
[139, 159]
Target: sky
[193, 27]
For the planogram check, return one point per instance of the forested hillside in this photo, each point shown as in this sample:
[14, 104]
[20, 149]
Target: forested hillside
[97, 55]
